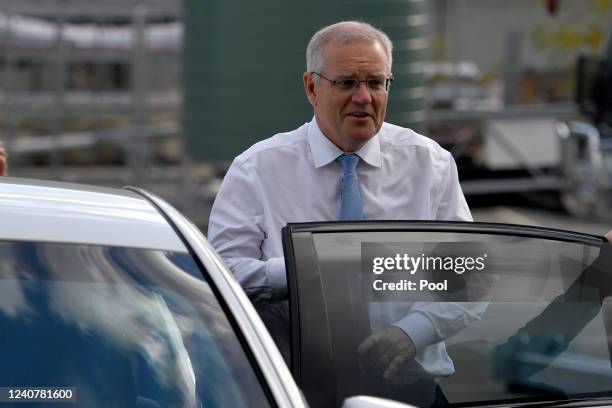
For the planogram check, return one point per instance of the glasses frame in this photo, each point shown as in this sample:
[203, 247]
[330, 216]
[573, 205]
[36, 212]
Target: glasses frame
[336, 83]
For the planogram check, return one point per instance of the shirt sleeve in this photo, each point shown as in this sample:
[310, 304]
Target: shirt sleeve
[236, 231]
[431, 322]
[451, 204]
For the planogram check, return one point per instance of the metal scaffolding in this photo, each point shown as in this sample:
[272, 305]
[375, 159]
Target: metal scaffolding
[83, 77]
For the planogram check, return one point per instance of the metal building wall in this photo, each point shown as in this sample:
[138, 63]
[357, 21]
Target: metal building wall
[243, 66]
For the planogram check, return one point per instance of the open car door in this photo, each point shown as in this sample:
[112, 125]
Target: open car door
[498, 314]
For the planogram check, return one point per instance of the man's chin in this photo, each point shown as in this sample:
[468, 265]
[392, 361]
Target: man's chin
[364, 133]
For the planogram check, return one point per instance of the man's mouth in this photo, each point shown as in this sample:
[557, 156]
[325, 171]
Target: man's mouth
[359, 114]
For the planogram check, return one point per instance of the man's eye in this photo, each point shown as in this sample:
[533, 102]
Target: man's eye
[347, 83]
[376, 83]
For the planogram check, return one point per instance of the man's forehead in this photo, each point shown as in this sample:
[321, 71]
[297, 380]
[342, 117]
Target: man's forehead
[355, 53]
[336, 43]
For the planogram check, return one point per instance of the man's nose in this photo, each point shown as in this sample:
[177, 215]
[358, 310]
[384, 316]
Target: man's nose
[362, 93]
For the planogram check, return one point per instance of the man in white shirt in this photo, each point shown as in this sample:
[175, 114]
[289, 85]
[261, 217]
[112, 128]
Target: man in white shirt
[295, 177]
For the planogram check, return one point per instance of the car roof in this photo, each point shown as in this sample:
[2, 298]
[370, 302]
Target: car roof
[47, 211]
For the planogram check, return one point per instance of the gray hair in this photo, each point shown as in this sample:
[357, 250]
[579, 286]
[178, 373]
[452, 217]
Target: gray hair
[345, 31]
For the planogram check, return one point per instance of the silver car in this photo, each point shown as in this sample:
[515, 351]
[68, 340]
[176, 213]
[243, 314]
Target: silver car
[111, 298]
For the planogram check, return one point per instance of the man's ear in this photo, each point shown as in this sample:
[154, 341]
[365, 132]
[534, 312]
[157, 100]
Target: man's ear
[309, 87]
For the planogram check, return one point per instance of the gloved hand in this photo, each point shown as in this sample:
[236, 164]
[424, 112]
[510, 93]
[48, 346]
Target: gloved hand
[388, 353]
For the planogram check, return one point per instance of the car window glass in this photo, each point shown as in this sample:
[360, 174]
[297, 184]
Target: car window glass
[123, 327]
[531, 323]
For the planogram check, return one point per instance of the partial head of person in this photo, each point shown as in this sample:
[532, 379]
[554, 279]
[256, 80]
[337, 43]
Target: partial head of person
[3, 161]
[347, 81]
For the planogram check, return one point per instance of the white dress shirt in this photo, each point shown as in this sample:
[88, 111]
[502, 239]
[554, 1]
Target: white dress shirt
[293, 177]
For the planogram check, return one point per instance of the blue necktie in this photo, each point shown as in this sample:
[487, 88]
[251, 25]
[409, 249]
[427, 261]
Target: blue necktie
[351, 208]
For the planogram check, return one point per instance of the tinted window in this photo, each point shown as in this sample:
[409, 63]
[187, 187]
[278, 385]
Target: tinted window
[123, 327]
[531, 323]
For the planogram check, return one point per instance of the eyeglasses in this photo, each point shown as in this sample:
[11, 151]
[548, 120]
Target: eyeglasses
[374, 85]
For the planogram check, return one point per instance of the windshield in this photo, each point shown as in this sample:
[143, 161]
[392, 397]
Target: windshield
[116, 327]
[493, 318]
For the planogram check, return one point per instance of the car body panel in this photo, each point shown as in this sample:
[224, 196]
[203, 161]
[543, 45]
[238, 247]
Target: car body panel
[63, 212]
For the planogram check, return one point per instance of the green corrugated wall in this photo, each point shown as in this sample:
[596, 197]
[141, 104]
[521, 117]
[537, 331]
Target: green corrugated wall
[244, 60]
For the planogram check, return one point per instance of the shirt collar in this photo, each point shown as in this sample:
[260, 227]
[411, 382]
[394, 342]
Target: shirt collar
[325, 152]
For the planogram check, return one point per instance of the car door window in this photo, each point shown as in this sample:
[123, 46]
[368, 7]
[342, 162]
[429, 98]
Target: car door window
[121, 327]
[506, 313]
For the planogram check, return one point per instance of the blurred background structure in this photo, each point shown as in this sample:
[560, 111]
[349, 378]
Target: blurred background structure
[90, 91]
[163, 93]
